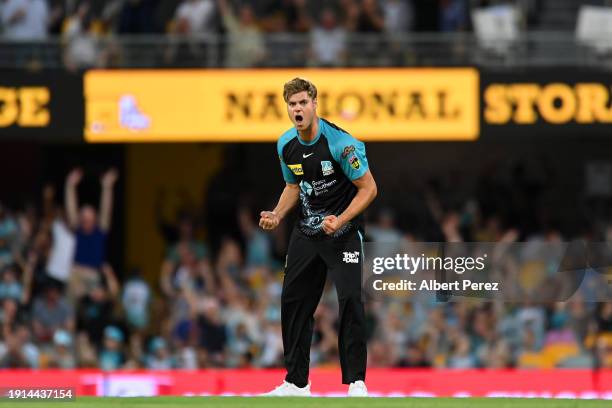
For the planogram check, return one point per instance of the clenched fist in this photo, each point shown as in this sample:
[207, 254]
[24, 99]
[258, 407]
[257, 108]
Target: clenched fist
[269, 220]
[331, 224]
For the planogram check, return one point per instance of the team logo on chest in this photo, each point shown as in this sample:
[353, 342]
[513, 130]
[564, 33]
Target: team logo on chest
[327, 167]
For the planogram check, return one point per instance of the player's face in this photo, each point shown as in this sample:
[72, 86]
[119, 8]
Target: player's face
[301, 109]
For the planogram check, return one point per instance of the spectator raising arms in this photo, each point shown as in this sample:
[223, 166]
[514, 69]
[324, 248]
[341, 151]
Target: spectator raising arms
[91, 232]
[246, 46]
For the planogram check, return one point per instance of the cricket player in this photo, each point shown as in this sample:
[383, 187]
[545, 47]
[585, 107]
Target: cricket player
[326, 171]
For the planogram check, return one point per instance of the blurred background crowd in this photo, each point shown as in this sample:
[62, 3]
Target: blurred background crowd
[95, 33]
[215, 300]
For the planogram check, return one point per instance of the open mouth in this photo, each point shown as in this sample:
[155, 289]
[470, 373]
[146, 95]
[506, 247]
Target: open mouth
[299, 119]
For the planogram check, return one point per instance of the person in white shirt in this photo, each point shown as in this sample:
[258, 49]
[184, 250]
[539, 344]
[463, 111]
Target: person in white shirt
[328, 41]
[193, 21]
[195, 16]
[246, 44]
[25, 19]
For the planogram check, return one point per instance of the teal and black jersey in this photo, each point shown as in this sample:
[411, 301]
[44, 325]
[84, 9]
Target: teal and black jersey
[324, 170]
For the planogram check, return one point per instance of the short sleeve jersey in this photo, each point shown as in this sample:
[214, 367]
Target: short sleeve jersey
[324, 169]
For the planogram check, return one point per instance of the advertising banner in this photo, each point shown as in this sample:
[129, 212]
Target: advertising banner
[581, 384]
[558, 102]
[248, 106]
[46, 106]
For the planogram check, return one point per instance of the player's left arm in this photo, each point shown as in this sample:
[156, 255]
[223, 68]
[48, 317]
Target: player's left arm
[366, 192]
[350, 154]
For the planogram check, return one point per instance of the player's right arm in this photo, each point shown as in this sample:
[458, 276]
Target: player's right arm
[288, 199]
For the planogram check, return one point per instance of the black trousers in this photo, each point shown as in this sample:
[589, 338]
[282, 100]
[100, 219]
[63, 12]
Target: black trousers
[308, 262]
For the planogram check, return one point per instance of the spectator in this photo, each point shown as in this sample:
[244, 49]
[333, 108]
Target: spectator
[25, 19]
[212, 333]
[528, 354]
[194, 17]
[10, 286]
[91, 233]
[453, 15]
[136, 299]
[385, 230]
[51, 312]
[192, 23]
[9, 236]
[460, 353]
[369, 18]
[498, 355]
[398, 16]
[258, 247]
[95, 309]
[414, 357]
[58, 11]
[245, 41]
[111, 356]
[187, 245]
[36, 274]
[159, 357]
[61, 253]
[9, 313]
[603, 318]
[187, 274]
[18, 351]
[272, 347]
[328, 41]
[241, 348]
[63, 354]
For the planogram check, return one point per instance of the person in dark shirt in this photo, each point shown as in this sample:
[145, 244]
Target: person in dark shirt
[327, 172]
[90, 231]
[212, 334]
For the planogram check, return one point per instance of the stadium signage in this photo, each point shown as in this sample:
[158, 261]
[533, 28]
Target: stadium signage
[554, 103]
[46, 105]
[24, 106]
[247, 105]
[416, 104]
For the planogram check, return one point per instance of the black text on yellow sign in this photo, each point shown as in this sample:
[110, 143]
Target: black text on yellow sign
[247, 105]
[555, 103]
[24, 106]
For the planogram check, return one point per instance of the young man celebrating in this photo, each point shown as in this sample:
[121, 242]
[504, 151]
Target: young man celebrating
[326, 170]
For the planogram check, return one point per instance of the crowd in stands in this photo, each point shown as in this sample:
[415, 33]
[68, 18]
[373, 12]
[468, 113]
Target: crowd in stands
[89, 28]
[63, 305]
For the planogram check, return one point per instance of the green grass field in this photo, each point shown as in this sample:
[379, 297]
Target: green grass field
[259, 402]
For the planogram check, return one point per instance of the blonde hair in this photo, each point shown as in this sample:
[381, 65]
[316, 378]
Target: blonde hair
[297, 85]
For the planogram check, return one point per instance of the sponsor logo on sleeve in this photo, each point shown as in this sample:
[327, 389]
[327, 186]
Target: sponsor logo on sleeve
[354, 161]
[296, 169]
[347, 150]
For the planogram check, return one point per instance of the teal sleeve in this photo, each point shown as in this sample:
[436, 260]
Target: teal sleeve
[351, 155]
[287, 173]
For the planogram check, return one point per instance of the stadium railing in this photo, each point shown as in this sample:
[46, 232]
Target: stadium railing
[531, 49]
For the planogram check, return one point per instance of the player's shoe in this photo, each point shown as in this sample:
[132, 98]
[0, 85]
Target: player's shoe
[357, 389]
[287, 389]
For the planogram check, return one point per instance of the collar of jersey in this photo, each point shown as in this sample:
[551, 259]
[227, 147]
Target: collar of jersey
[315, 140]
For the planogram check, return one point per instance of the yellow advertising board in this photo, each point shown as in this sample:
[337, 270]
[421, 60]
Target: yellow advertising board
[248, 106]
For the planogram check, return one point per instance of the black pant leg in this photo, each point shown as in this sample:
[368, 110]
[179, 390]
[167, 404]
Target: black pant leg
[303, 285]
[344, 260]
